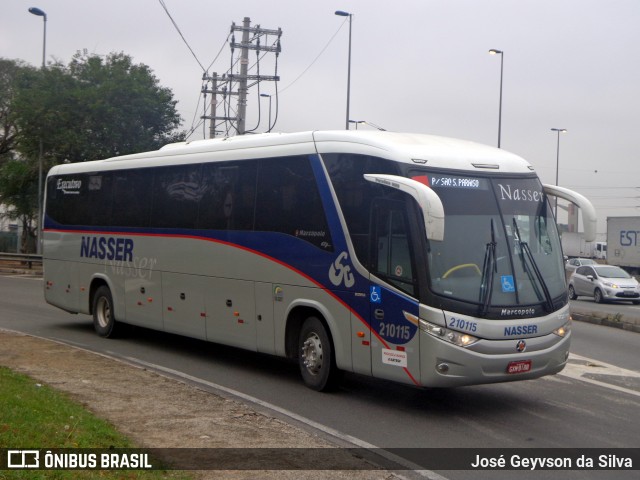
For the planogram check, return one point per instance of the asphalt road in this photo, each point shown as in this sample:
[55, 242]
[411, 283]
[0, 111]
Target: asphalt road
[593, 403]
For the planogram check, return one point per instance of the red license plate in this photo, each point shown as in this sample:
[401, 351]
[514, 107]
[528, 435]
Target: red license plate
[521, 366]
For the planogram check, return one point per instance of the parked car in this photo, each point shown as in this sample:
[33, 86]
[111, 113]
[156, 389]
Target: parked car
[573, 263]
[603, 283]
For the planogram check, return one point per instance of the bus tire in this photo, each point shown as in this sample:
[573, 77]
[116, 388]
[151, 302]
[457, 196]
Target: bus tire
[316, 357]
[104, 320]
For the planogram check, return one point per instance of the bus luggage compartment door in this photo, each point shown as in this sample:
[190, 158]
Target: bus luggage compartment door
[231, 312]
[61, 284]
[143, 301]
[184, 311]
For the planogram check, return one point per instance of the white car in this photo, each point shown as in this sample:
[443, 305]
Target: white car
[573, 263]
[603, 283]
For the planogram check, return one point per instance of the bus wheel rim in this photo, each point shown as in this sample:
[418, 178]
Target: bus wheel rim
[104, 312]
[312, 353]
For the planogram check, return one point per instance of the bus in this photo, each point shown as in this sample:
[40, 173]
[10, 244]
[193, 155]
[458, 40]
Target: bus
[420, 259]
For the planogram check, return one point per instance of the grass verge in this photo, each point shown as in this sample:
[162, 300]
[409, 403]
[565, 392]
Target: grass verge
[33, 415]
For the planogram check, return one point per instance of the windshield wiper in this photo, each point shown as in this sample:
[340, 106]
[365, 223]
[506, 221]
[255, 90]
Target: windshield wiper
[526, 254]
[489, 267]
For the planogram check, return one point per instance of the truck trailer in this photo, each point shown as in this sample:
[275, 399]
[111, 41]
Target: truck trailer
[623, 243]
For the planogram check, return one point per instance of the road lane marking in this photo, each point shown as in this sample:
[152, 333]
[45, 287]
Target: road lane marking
[588, 366]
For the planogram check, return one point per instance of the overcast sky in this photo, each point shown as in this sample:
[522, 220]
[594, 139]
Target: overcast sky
[417, 66]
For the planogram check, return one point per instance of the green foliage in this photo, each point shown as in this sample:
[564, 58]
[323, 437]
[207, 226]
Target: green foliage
[60, 422]
[35, 416]
[19, 191]
[10, 72]
[17, 187]
[95, 107]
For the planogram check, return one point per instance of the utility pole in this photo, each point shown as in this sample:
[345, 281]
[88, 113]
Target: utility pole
[215, 91]
[242, 84]
[250, 41]
[214, 101]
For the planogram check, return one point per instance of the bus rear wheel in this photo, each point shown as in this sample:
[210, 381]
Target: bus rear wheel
[104, 321]
[316, 357]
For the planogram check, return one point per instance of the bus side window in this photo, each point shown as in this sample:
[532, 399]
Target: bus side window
[88, 205]
[228, 195]
[356, 195]
[176, 195]
[392, 252]
[132, 198]
[289, 202]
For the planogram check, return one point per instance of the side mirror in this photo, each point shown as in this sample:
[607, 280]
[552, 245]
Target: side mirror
[589, 216]
[428, 200]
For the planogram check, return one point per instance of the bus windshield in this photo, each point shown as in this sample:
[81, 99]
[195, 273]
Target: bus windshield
[501, 247]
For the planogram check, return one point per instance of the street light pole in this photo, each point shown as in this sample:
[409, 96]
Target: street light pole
[558, 131]
[340, 13]
[40, 13]
[493, 51]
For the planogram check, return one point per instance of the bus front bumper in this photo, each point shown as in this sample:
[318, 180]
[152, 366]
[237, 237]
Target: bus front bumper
[490, 361]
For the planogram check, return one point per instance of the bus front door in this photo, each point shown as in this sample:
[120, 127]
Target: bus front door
[393, 310]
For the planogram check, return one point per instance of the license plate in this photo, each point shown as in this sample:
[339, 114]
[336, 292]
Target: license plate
[521, 366]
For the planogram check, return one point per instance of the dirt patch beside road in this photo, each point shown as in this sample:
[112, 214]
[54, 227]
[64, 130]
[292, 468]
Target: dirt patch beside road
[160, 412]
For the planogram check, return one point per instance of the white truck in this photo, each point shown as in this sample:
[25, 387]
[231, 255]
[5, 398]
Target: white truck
[574, 245]
[623, 242]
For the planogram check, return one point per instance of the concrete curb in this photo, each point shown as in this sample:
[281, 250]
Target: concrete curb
[617, 320]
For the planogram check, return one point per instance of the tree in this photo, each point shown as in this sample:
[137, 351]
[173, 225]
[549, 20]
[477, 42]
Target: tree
[10, 71]
[19, 192]
[93, 108]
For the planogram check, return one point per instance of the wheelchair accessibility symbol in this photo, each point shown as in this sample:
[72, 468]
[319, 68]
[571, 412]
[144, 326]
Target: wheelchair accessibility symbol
[375, 295]
[507, 283]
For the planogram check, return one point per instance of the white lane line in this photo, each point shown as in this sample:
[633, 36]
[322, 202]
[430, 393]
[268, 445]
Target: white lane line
[591, 366]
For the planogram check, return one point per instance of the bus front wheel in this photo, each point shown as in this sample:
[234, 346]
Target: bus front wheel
[104, 320]
[316, 357]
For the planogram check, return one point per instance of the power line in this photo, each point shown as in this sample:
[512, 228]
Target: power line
[317, 57]
[219, 52]
[180, 33]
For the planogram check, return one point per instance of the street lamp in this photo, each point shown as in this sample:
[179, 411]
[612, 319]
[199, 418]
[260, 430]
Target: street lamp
[340, 13]
[268, 96]
[493, 51]
[40, 13]
[558, 131]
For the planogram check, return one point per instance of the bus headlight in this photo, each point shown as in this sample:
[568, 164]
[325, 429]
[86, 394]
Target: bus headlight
[564, 330]
[457, 338]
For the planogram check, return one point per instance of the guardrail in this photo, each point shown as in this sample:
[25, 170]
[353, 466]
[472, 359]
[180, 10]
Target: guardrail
[25, 258]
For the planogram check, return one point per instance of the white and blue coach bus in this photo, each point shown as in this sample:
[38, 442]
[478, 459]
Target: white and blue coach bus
[420, 259]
